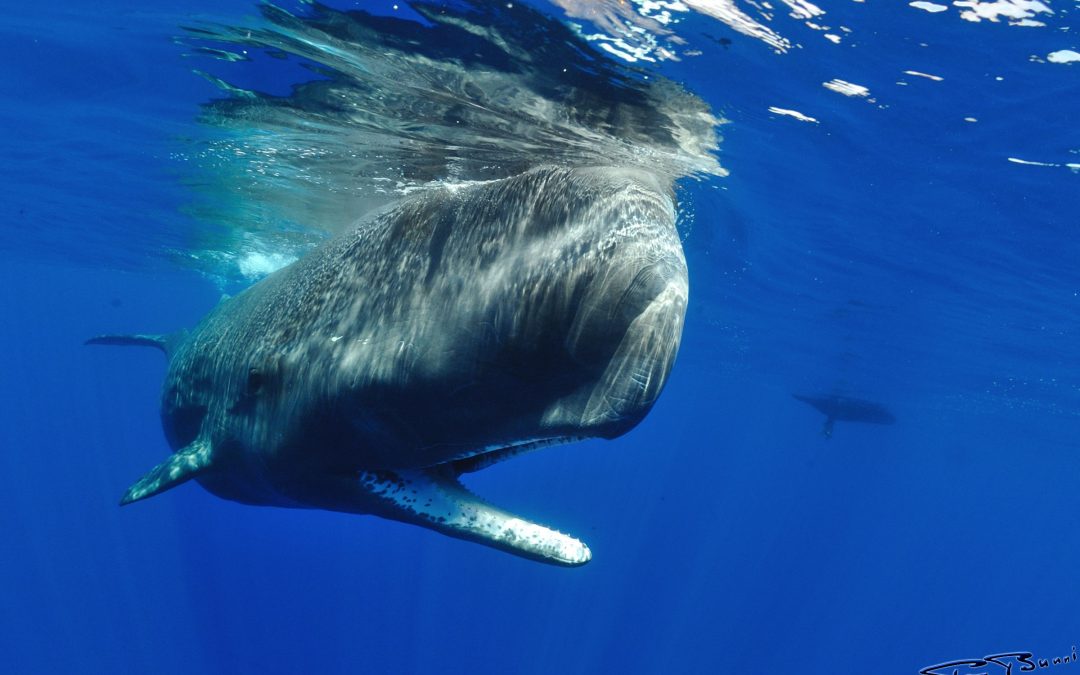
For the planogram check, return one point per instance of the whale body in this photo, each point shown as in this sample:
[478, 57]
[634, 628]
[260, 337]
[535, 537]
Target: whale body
[459, 328]
[847, 409]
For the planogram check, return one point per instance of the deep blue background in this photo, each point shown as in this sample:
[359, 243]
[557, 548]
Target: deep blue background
[892, 252]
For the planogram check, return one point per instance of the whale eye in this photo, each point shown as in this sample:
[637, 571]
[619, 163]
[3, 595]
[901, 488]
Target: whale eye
[254, 382]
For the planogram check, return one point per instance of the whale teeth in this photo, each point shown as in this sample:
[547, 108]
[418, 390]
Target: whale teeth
[499, 453]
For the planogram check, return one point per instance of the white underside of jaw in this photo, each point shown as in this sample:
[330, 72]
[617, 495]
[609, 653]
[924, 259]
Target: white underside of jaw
[435, 499]
[509, 532]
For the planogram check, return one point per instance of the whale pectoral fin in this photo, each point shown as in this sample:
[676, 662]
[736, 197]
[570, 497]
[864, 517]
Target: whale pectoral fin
[180, 468]
[435, 499]
[827, 430]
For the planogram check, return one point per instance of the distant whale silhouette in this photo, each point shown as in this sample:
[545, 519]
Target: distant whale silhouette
[456, 330]
[847, 409]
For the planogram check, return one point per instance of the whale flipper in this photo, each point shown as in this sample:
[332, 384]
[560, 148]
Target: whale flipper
[184, 465]
[826, 430]
[166, 343]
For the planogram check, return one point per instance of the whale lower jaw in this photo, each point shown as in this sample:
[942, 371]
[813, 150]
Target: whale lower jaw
[436, 499]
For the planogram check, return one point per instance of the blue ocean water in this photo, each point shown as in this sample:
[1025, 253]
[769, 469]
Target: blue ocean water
[910, 238]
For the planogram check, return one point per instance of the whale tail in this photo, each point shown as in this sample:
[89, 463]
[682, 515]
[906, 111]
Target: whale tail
[166, 343]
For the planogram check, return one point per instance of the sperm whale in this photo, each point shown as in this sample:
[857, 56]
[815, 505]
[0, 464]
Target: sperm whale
[452, 331]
